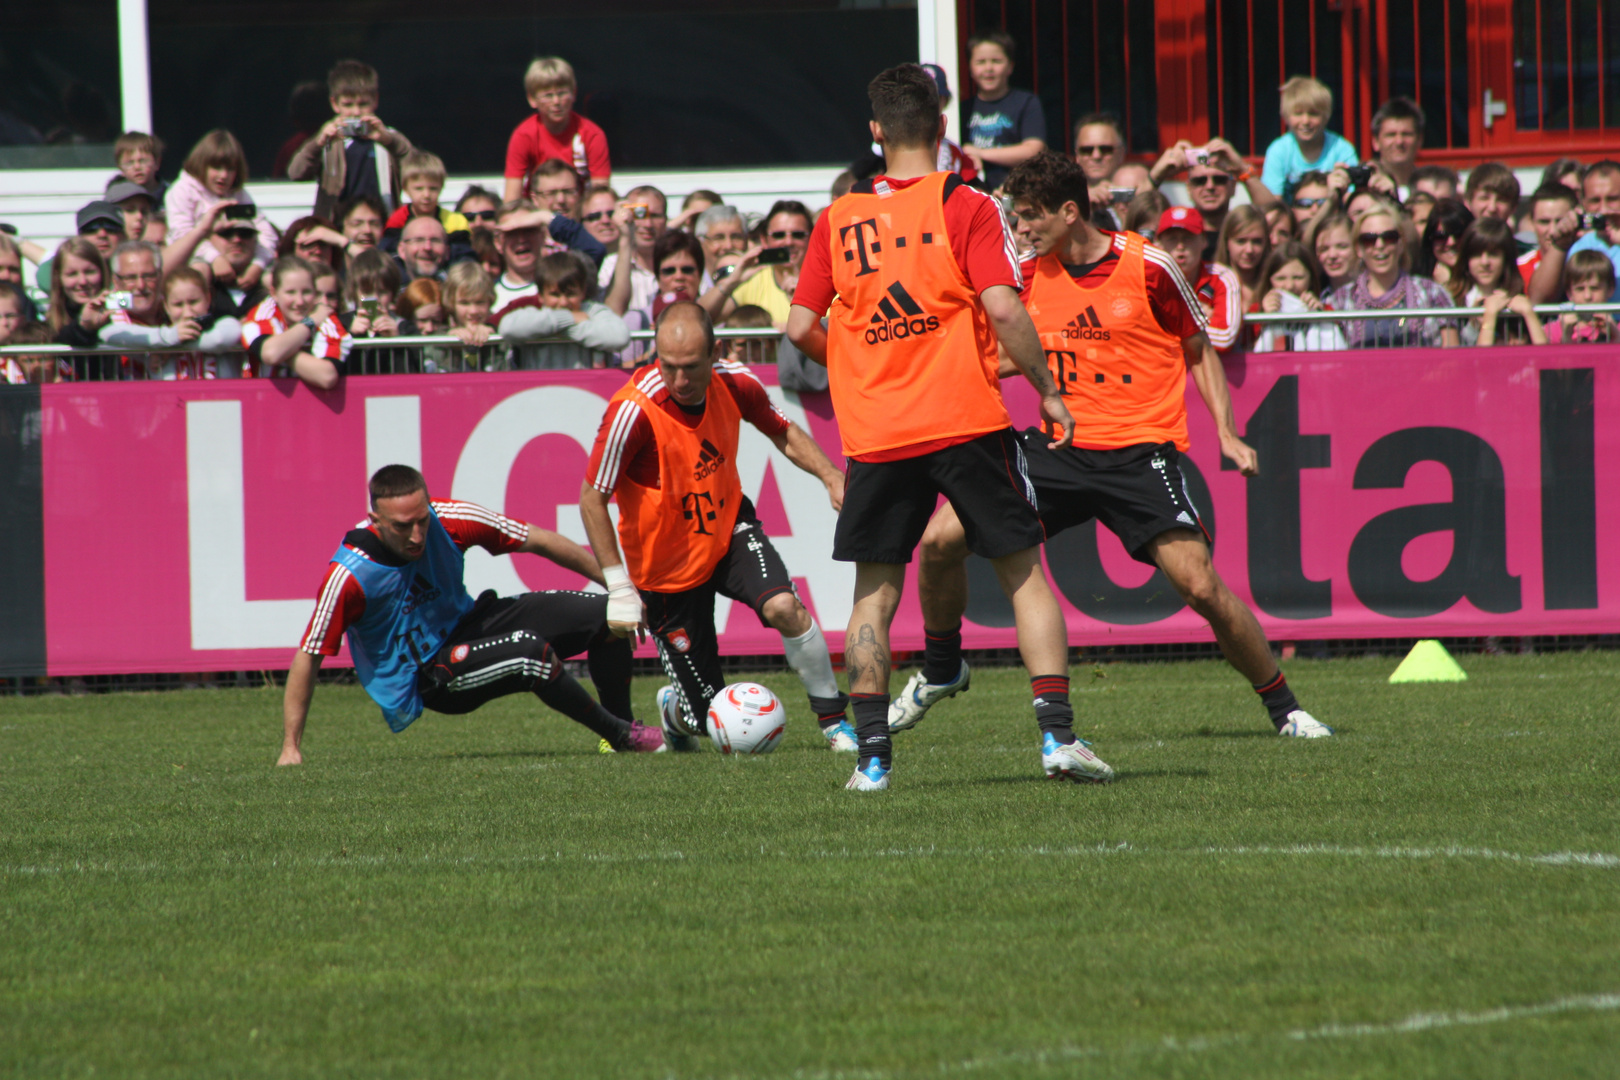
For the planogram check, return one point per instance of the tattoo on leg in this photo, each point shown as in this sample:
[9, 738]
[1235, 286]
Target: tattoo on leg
[867, 656]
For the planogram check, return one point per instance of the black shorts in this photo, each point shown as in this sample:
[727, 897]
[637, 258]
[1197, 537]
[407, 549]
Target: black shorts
[751, 572]
[505, 644]
[887, 504]
[1137, 492]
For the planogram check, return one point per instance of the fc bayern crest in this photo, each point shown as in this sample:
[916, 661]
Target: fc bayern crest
[1122, 308]
[459, 653]
[679, 639]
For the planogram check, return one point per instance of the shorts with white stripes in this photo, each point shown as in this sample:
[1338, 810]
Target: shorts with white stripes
[887, 504]
[1137, 492]
[751, 572]
[510, 645]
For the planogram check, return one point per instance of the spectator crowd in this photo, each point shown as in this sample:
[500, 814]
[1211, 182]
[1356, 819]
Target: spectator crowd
[563, 267]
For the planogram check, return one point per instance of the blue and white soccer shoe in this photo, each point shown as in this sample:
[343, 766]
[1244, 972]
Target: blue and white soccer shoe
[677, 733]
[1302, 725]
[841, 738]
[1074, 761]
[919, 696]
[870, 777]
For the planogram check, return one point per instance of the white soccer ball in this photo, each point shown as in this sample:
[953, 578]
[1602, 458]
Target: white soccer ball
[746, 718]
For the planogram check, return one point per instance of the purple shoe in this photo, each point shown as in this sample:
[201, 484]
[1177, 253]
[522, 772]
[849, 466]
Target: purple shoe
[645, 740]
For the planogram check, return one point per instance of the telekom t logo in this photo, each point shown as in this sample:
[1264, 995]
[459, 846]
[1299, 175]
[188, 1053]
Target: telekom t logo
[862, 246]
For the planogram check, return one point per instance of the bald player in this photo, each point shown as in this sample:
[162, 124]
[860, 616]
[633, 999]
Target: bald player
[667, 450]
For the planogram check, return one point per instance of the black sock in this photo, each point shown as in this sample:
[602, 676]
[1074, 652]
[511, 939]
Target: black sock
[829, 710]
[564, 693]
[942, 655]
[610, 661]
[1278, 699]
[1052, 709]
[872, 726]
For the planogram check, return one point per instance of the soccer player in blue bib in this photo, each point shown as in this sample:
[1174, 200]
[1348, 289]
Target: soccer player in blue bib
[420, 641]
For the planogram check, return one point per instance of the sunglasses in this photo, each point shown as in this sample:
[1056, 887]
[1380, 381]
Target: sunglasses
[666, 271]
[1207, 181]
[1100, 150]
[1310, 204]
[1372, 239]
[478, 215]
[796, 234]
[598, 215]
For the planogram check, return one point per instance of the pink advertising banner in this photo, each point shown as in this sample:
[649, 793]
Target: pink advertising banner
[1402, 494]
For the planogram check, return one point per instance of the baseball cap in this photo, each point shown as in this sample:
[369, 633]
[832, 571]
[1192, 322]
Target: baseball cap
[940, 82]
[119, 190]
[1181, 217]
[100, 213]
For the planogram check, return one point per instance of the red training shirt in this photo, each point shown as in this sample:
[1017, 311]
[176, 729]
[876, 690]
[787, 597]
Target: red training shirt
[582, 144]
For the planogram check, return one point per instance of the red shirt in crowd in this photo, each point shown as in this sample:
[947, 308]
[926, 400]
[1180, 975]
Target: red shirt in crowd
[1221, 294]
[1528, 263]
[341, 602]
[330, 341]
[582, 144]
[625, 443]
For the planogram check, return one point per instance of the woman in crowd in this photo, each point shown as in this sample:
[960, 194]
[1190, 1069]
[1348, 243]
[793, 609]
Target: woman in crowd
[213, 174]
[1331, 240]
[78, 308]
[314, 239]
[1442, 243]
[1486, 262]
[1384, 283]
[1280, 224]
[1243, 244]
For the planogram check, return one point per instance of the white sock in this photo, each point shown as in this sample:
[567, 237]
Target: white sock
[807, 654]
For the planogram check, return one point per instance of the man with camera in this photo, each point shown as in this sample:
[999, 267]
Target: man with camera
[1213, 172]
[1594, 224]
[787, 238]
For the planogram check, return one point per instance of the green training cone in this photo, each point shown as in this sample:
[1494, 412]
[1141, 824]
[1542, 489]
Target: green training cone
[1428, 662]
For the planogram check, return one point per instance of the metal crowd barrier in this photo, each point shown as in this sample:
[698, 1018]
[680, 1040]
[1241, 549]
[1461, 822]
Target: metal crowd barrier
[436, 354]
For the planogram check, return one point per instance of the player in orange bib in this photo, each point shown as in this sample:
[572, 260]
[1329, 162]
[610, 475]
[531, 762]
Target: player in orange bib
[919, 278]
[667, 450]
[1121, 329]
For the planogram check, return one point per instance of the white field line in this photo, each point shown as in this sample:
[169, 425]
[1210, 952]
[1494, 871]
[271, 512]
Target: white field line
[1418, 1022]
[1597, 860]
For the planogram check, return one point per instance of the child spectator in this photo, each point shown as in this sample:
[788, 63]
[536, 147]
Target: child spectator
[749, 350]
[329, 288]
[1492, 191]
[421, 308]
[139, 157]
[1293, 282]
[1181, 234]
[78, 306]
[369, 289]
[468, 296]
[422, 176]
[186, 303]
[1313, 196]
[1280, 224]
[1005, 126]
[36, 367]
[1243, 244]
[1588, 279]
[14, 308]
[594, 331]
[212, 175]
[292, 332]
[1548, 206]
[1308, 144]
[1331, 238]
[1486, 263]
[555, 130]
[343, 154]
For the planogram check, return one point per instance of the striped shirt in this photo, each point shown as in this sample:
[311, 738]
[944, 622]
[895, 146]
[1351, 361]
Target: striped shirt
[331, 341]
[341, 602]
[1221, 296]
[626, 445]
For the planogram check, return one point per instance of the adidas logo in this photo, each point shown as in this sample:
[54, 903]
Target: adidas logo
[1080, 327]
[899, 317]
[709, 461]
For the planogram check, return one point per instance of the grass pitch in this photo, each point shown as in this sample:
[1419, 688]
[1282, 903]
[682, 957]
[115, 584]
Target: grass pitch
[1433, 893]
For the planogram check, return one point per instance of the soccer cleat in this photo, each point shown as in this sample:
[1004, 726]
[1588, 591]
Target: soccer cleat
[1073, 761]
[870, 777]
[919, 696]
[1302, 725]
[840, 738]
[676, 733]
[645, 740]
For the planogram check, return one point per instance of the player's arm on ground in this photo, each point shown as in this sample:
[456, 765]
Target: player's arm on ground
[1210, 378]
[295, 705]
[1017, 336]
